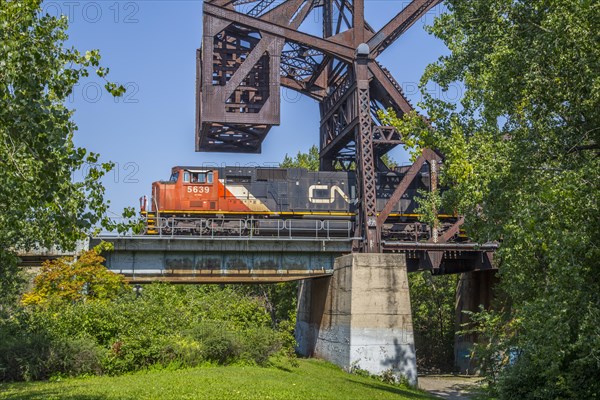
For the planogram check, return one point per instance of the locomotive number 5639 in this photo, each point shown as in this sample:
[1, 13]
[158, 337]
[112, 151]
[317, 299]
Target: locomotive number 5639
[198, 189]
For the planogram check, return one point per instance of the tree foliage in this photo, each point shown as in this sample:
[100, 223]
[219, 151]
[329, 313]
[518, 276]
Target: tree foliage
[40, 204]
[522, 162]
[433, 300]
[75, 279]
[310, 160]
[164, 325]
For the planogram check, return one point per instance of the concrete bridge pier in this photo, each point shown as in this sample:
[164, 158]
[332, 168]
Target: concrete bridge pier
[361, 316]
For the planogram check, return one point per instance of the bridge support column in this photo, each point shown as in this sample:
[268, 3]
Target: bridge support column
[361, 316]
[474, 289]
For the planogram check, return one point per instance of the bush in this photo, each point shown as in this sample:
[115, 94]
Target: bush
[219, 344]
[34, 355]
[177, 326]
[260, 343]
[182, 351]
[69, 279]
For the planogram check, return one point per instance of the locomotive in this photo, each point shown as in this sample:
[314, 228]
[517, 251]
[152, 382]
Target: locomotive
[271, 201]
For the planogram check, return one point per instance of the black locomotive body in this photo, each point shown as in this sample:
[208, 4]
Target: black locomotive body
[278, 200]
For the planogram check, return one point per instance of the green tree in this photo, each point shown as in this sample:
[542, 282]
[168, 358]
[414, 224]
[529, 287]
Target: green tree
[75, 279]
[279, 299]
[40, 204]
[522, 162]
[433, 301]
[309, 161]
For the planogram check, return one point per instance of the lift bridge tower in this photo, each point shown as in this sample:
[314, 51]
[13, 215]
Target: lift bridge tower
[250, 48]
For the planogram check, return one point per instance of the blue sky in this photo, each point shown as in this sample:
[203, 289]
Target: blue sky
[150, 47]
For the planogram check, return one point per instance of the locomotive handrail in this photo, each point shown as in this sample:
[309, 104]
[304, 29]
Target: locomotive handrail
[290, 225]
[248, 228]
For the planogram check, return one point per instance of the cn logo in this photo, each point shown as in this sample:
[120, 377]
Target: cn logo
[324, 199]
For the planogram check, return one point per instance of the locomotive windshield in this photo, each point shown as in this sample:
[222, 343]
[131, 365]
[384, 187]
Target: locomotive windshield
[198, 176]
[174, 176]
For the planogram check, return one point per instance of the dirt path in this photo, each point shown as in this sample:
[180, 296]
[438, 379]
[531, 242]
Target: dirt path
[449, 387]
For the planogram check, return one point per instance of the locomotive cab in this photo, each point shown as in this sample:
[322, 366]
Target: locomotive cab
[192, 189]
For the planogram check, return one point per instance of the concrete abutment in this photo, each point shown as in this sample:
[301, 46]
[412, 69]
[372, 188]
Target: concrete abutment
[361, 316]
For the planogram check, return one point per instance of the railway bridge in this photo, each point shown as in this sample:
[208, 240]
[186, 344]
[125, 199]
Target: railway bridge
[353, 308]
[354, 304]
[245, 259]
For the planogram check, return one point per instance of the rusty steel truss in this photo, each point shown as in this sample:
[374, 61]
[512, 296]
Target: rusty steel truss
[250, 48]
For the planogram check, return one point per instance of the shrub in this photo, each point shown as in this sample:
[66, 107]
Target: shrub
[167, 325]
[36, 354]
[134, 352]
[69, 279]
[259, 344]
[219, 344]
[182, 351]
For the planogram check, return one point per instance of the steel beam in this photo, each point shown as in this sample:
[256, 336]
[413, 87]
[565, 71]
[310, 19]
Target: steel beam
[450, 232]
[392, 88]
[398, 25]
[334, 49]
[367, 184]
[427, 155]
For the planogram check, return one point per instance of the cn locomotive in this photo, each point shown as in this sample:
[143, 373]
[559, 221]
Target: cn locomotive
[277, 201]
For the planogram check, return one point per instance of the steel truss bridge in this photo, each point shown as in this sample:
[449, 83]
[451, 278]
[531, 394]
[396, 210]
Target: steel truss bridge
[251, 48]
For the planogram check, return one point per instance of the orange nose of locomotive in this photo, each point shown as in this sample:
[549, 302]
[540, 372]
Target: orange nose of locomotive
[188, 190]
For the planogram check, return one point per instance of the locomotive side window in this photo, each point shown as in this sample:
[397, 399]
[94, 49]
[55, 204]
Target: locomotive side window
[186, 176]
[209, 177]
[238, 179]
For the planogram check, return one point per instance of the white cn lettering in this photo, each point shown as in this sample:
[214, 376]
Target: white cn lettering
[332, 191]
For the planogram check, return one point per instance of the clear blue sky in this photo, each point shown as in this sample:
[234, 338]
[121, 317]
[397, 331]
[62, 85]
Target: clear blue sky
[151, 47]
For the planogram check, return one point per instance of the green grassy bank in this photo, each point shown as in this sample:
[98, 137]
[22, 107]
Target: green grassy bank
[313, 379]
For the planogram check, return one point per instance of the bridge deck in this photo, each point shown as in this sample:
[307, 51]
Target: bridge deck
[222, 260]
[186, 259]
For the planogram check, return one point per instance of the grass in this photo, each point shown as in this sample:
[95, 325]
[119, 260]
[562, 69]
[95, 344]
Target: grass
[313, 379]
